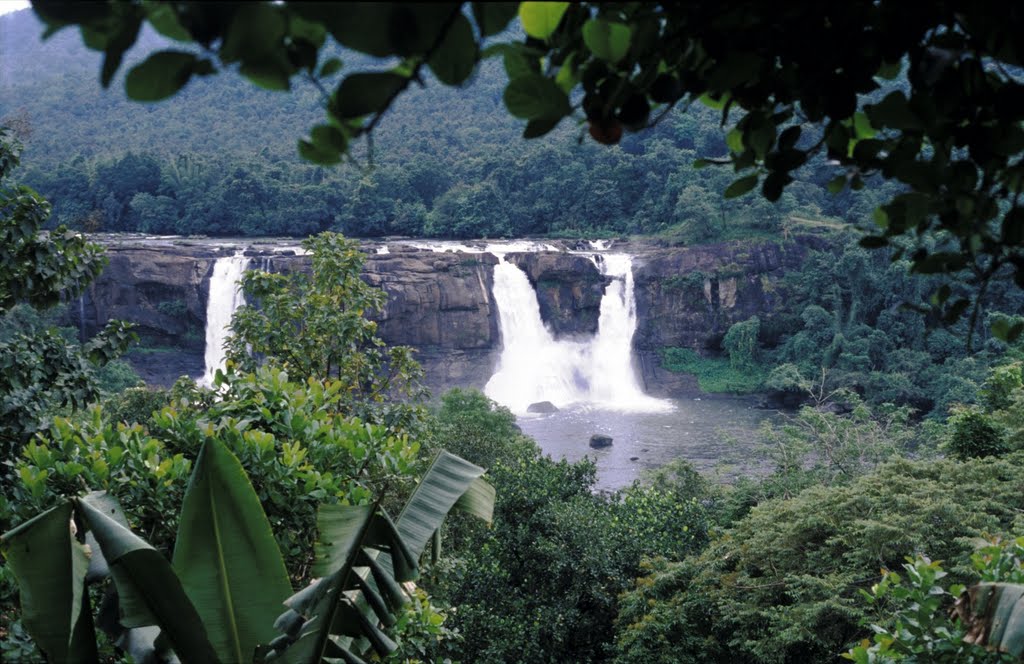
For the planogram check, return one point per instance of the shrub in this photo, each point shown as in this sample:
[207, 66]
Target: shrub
[781, 585]
[972, 434]
[714, 374]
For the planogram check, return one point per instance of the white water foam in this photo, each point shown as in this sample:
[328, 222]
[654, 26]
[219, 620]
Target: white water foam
[225, 297]
[535, 367]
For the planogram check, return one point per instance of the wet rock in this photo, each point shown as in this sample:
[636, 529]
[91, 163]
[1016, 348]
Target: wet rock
[542, 407]
[600, 440]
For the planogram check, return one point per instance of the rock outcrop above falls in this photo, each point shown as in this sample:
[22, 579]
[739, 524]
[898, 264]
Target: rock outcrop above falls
[569, 289]
[440, 304]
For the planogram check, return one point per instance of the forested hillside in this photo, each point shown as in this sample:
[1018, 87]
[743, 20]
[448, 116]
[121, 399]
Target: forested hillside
[220, 159]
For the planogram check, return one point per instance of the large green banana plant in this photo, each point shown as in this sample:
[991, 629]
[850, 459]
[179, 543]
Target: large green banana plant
[221, 597]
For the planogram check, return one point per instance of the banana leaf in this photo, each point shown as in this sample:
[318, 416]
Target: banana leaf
[148, 590]
[50, 566]
[364, 556]
[994, 615]
[226, 557]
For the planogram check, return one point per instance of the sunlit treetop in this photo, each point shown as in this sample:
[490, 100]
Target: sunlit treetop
[930, 96]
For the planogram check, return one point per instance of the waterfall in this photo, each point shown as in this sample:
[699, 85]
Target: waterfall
[225, 298]
[534, 366]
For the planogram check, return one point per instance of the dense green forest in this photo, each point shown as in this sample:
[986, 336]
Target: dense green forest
[252, 519]
[447, 163]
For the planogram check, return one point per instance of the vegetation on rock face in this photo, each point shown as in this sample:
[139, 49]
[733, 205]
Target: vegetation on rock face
[852, 320]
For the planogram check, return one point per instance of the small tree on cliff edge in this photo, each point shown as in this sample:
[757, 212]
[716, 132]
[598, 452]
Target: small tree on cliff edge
[315, 326]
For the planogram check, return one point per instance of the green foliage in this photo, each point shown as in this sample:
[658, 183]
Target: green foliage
[329, 336]
[141, 471]
[116, 376]
[782, 583]
[820, 447]
[471, 426]
[788, 379]
[219, 600]
[740, 343]
[920, 627]
[714, 374]
[923, 626]
[972, 434]
[135, 404]
[998, 389]
[296, 443]
[856, 325]
[584, 549]
[40, 371]
[38, 268]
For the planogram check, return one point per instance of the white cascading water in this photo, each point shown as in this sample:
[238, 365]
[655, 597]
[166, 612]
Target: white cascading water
[535, 367]
[225, 297]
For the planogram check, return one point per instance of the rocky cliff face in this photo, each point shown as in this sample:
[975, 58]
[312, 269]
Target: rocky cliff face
[441, 303]
[163, 290]
[689, 297]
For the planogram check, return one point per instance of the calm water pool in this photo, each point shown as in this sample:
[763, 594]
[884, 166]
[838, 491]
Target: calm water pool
[716, 434]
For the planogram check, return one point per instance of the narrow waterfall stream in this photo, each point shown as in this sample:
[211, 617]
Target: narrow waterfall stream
[225, 297]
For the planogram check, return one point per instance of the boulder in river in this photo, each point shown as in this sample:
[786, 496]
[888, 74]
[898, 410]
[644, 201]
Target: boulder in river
[599, 440]
[542, 407]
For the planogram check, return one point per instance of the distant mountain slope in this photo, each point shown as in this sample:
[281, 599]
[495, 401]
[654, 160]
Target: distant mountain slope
[220, 158]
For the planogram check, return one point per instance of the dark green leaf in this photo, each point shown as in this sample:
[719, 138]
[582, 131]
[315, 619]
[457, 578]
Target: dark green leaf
[456, 57]
[1013, 227]
[540, 126]
[534, 96]
[164, 20]
[317, 154]
[894, 112]
[50, 567]
[365, 93]
[493, 17]
[226, 556]
[607, 40]
[330, 67]
[256, 29]
[741, 186]
[955, 311]
[160, 75]
[873, 242]
[149, 591]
